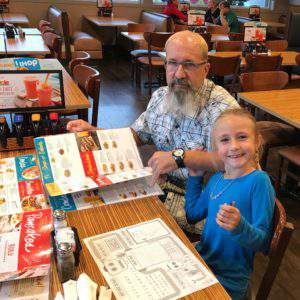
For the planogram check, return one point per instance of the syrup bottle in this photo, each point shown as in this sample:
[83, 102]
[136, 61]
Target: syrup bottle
[4, 132]
[36, 124]
[54, 123]
[18, 131]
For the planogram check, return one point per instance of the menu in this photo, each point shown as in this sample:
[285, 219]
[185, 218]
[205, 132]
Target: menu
[20, 186]
[148, 261]
[25, 244]
[119, 192]
[81, 161]
[26, 289]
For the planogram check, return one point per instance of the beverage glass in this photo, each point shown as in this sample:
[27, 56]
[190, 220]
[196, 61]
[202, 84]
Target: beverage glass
[45, 95]
[31, 83]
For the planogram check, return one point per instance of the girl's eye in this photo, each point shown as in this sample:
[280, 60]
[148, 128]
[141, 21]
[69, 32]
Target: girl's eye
[224, 140]
[242, 137]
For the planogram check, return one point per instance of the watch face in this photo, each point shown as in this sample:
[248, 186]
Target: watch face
[178, 152]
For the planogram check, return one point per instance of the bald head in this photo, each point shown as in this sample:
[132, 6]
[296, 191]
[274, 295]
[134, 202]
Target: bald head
[188, 40]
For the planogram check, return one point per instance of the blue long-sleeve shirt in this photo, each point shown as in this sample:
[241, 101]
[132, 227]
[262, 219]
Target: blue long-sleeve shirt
[230, 254]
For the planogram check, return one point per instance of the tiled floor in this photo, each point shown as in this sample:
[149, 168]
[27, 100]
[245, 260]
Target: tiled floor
[121, 103]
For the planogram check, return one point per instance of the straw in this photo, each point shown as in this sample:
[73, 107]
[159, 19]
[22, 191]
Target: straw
[45, 84]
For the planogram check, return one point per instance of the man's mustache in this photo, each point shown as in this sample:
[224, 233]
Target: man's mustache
[180, 81]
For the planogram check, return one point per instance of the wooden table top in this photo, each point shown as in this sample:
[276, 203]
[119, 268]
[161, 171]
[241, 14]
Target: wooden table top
[108, 21]
[30, 45]
[88, 223]
[16, 19]
[288, 57]
[283, 104]
[28, 31]
[139, 36]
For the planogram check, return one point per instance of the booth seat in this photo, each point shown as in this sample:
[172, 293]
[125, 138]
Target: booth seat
[73, 41]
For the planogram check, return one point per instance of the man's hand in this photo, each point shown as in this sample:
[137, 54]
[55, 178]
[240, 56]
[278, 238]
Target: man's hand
[161, 162]
[79, 125]
[228, 217]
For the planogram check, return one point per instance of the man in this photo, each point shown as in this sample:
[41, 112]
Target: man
[228, 18]
[180, 116]
[213, 12]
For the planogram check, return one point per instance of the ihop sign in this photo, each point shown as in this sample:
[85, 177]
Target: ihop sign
[27, 63]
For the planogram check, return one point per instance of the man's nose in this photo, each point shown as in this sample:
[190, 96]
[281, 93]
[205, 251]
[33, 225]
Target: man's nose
[180, 73]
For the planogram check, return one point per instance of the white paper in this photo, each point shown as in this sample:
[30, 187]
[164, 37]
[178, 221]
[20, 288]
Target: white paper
[148, 261]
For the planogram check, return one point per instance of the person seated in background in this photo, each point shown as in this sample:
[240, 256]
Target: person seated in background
[228, 18]
[213, 12]
[172, 10]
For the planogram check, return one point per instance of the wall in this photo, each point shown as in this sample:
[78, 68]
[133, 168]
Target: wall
[36, 10]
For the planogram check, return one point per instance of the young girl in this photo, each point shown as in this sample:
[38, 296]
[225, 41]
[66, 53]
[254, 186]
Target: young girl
[238, 204]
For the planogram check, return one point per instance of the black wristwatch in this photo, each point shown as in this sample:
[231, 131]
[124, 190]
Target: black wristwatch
[178, 155]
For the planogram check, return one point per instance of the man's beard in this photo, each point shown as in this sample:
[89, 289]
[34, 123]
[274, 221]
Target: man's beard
[181, 100]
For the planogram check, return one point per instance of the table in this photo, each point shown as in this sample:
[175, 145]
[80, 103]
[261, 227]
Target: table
[288, 57]
[88, 223]
[108, 22]
[283, 104]
[16, 19]
[28, 31]
[30, 45]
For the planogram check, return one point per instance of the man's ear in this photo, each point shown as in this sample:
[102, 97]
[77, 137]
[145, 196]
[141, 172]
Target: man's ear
[206, 68]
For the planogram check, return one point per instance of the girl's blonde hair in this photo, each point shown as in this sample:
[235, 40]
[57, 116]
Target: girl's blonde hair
[240, 112]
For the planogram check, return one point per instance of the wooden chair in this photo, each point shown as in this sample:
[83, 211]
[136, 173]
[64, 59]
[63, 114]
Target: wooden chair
[54, 43]
[141, 48]
[281, 236]
[207, 38]
[225, 66]
[229, 45]
[88, 80]
[80, 58]
[233, 36]
[273, 133]
[277, 45]
[151, 61]
[43, 23]
[216, 29]
[261, 63]
[45, 29]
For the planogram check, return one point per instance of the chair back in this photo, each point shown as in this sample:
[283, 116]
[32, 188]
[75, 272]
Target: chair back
[156, 39]
[207, 38]
[229, 45]
[141, 27]
[216, 29]
[45, 29]
[298, 59]
[234, 36]
[261, 63]
[81, 57]
[43, 23]
[281, 236]
[54, 43]
[180, 27]
[263, 81]
[88, 80]
[277, 45]
[293, 36]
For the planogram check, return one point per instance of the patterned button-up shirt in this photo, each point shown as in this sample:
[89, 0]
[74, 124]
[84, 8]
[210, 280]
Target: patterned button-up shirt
[168, 132]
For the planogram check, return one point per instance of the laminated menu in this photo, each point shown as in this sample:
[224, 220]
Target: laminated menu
[119, 192]
[82, 161]
[20, 185]
[148, 261]
[25, 244]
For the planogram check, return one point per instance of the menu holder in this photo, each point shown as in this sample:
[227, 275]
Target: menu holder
[13, 145]
[31, 90]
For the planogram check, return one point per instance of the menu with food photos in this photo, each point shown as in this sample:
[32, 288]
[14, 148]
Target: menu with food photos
[148, 261]
[88, 160]
[25, 244]
[119, 192]
[20, 185]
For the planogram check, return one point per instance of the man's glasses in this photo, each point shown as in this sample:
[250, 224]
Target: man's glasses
[187, 66]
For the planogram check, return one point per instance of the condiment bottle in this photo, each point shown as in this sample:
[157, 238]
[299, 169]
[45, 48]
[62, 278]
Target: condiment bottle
[4, 132]
[36, 124]
[18, 128]
[54, 123]
[59, 219]
[65, 262]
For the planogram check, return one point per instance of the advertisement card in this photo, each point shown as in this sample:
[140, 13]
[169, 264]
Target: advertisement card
[82, 161]
[196, 18]
[25, 244]
[31, 90]
[29, 63]
[148, 261]
[255, 34]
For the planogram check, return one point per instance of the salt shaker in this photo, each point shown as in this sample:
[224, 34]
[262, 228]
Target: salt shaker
[65, 262]
[60, 220]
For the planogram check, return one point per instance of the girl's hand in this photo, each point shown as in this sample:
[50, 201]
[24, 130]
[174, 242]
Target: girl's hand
[228, 217]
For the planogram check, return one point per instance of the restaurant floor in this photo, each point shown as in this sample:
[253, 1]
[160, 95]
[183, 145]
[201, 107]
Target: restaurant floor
[121, 103]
